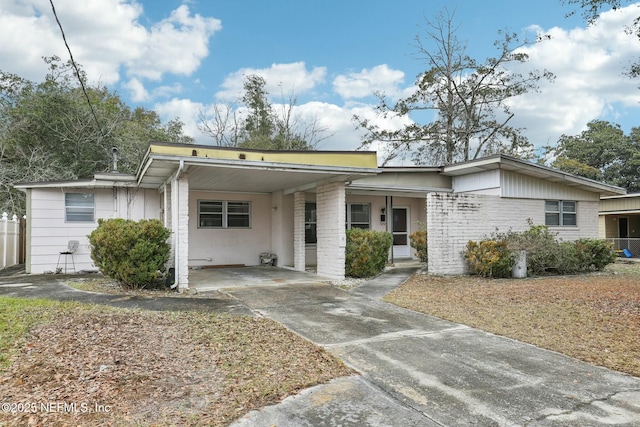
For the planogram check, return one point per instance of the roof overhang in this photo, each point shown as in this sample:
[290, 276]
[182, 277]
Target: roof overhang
[105, 180]
[620, 212]
[258, 171]
[523, 167]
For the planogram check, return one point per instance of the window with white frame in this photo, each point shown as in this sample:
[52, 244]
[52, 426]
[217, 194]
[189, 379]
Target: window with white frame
[79, 207]
[560, 213]
[358, 215]
[224, 214]
[310, 223]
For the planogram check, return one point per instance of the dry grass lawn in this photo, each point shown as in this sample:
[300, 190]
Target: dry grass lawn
[72, 364]
[594, 317]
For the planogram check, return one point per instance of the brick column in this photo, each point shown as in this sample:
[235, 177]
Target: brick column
[180, 229]
[299, 249]
[332, 239]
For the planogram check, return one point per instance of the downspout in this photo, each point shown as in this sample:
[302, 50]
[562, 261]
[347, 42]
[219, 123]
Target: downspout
[175, 232]
[390, 218]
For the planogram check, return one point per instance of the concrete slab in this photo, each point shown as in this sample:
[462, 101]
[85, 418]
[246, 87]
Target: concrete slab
[210, 279]
[45, 286]
[451, 374]
[346, 402]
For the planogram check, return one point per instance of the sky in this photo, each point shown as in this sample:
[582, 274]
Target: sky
[181, 58]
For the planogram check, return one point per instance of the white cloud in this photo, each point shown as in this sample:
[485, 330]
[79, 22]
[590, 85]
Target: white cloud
[136, 89]
[589, 64]
[187, 111]
[175, 45]
[105, 36]
[282, 79]
[364, 84]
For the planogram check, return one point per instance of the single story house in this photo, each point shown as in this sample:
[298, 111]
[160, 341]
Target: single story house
[620, 222]
[227, 206]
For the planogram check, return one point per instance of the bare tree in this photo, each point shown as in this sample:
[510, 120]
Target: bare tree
[254, 122]
[467, 97]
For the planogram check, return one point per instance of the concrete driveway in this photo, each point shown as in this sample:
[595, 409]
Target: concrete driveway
[416, 370]
[422, 371]
[50, 287]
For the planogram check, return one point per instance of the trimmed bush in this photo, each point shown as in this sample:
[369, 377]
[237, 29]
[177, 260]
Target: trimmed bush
[489, 258]
[130, 252]
[547, 255]
[595, 253]
[418, 241]
[367, 252]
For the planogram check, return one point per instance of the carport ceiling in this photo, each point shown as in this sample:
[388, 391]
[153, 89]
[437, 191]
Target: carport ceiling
[205, 178]
[238, 178]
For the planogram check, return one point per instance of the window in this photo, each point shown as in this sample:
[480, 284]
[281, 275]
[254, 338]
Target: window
[560, 213]
[79, 207]
[310, 223]
[224, 214]
[358, 215]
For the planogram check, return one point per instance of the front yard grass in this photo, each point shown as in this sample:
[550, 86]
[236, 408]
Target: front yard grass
[80, 364]
[594, 317]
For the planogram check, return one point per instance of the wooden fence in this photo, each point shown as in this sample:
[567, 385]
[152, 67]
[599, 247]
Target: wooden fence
[12, 241]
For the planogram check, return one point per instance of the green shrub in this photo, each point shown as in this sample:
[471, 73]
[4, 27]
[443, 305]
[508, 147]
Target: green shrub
[367, 252]
[489, 258]
[418, 240]
[541, 246]
[547, 255]
[595, 253]
[130, 252]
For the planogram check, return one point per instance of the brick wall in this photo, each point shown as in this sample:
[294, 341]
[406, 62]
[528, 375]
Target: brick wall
[330, 202]
[299, 250]
[454, 219]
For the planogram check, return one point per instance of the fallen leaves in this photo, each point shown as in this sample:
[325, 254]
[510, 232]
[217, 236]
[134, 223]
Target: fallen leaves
[123, 367]
[593, 317]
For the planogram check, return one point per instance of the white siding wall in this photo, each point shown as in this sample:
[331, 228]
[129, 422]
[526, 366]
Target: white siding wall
[487, 182]
[232, 245]
[522, 186]
[454, 219]
[50, 233]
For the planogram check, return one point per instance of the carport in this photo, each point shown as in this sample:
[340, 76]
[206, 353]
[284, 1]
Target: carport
[270, 186]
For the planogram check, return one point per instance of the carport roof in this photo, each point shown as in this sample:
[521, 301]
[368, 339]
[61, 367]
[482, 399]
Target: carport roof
[233, 169]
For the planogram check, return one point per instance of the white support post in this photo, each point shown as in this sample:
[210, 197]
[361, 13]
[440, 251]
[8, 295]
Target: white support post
[299, 246]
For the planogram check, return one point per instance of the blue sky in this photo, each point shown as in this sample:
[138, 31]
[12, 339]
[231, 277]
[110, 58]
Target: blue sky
[181, 58]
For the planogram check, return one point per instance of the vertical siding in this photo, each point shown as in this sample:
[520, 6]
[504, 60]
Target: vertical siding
[521, 186]
[620, 204]
[481, 181]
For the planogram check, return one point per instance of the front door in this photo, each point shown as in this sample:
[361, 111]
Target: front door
[623, 228]
[400, 230]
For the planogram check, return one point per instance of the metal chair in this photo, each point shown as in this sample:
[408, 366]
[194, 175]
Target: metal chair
[71, 249]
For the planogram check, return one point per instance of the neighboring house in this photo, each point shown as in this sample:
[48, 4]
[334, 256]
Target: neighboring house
[227, 206]
[620, 222]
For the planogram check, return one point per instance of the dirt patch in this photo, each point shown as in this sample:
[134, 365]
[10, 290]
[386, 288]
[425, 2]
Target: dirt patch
[595, 318]
[102, 366]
